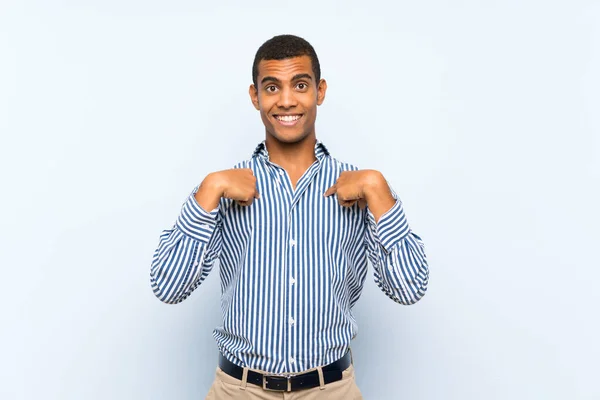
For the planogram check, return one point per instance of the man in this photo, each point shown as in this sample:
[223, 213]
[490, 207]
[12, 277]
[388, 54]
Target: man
[293, 229]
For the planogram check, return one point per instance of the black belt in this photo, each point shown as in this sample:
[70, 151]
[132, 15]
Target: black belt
[331, 373]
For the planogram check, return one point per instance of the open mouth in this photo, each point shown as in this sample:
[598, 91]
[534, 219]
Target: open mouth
[288, 120]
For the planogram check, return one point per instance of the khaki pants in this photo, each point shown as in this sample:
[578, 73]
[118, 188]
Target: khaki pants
[226, 387]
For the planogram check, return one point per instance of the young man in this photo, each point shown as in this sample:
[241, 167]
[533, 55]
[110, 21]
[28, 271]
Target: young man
[293, 229]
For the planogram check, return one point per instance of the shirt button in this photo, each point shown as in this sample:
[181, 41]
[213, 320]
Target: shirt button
[292, 242]
[292, 321]
[390, 268]
[292, 280]
[281, 172]
[196, 263]
[292, 360]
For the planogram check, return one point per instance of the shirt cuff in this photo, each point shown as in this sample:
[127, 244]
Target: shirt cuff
[196, 222]
[392, 227]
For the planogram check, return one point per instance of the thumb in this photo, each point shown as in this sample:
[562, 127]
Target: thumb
[330, 191]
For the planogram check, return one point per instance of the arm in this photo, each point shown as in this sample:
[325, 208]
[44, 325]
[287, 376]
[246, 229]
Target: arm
[397, 253]
[186, 252]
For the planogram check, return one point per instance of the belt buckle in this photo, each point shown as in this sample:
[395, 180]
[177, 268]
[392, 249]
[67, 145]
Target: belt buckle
[280, 379]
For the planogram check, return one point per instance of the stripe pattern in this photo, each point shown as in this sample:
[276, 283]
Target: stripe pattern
[292, 265]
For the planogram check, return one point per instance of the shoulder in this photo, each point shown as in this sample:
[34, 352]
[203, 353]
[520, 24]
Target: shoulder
[332, 162]
[245, 164]
[339, 165]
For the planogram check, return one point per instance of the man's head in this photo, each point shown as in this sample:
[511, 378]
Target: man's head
[287, 87]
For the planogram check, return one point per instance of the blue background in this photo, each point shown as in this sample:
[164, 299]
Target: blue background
[482, 115]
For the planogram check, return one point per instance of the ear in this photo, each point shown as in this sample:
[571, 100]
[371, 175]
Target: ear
[253, 96]
[321, 89]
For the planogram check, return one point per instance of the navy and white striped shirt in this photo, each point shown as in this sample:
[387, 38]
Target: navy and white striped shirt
[292, 265]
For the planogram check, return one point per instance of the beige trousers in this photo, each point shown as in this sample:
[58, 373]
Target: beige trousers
[226, 387]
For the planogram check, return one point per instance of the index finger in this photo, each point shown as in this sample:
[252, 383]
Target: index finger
[330, 191]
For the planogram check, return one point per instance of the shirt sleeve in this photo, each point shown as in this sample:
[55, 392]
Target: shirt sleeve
[186, 252]
[398, 255]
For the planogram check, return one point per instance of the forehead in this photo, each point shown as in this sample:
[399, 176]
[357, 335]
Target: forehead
[285, 69]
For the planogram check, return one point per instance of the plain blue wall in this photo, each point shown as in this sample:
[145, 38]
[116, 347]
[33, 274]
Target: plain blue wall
[482, 115]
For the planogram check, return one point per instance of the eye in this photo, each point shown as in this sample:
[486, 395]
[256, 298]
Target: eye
[302, 86]
[271, 88]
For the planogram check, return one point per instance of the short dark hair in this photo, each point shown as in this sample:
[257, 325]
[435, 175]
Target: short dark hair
[286, 46]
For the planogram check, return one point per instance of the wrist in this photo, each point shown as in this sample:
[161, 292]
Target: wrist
[213, 184]
[374, 184]
[210, 192]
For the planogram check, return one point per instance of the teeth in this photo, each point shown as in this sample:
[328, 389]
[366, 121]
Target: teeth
[288, 118]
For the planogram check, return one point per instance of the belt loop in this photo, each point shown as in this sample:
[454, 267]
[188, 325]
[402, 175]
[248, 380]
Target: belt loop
[321, 380]
[351, 358]
[244, 379]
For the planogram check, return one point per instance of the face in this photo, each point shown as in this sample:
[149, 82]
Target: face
[287, 97]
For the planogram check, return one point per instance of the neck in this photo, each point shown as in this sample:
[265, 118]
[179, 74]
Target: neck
[292, 156]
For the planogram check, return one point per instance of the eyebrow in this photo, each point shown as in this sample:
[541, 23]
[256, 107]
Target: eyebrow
[294, 78]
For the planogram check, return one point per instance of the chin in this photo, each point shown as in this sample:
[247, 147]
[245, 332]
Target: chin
[290, 138]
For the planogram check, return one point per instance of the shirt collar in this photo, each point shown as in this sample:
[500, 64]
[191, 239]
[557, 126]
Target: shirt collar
[261, 151]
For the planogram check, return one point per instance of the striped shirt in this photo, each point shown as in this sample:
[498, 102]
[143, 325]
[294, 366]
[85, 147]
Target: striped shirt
[292, 265]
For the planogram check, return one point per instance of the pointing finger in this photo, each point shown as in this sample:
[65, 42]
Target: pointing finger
[330, 191]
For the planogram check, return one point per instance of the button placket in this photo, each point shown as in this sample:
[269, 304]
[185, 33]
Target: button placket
[291, 234]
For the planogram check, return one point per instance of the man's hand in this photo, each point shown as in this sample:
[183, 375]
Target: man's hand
[350, 189]
[238, 184]
[365, 187]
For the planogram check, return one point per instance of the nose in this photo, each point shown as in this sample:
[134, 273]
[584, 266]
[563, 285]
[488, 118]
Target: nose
[287, 99]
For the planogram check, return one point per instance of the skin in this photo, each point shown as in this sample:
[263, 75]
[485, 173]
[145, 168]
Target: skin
[288, 88]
